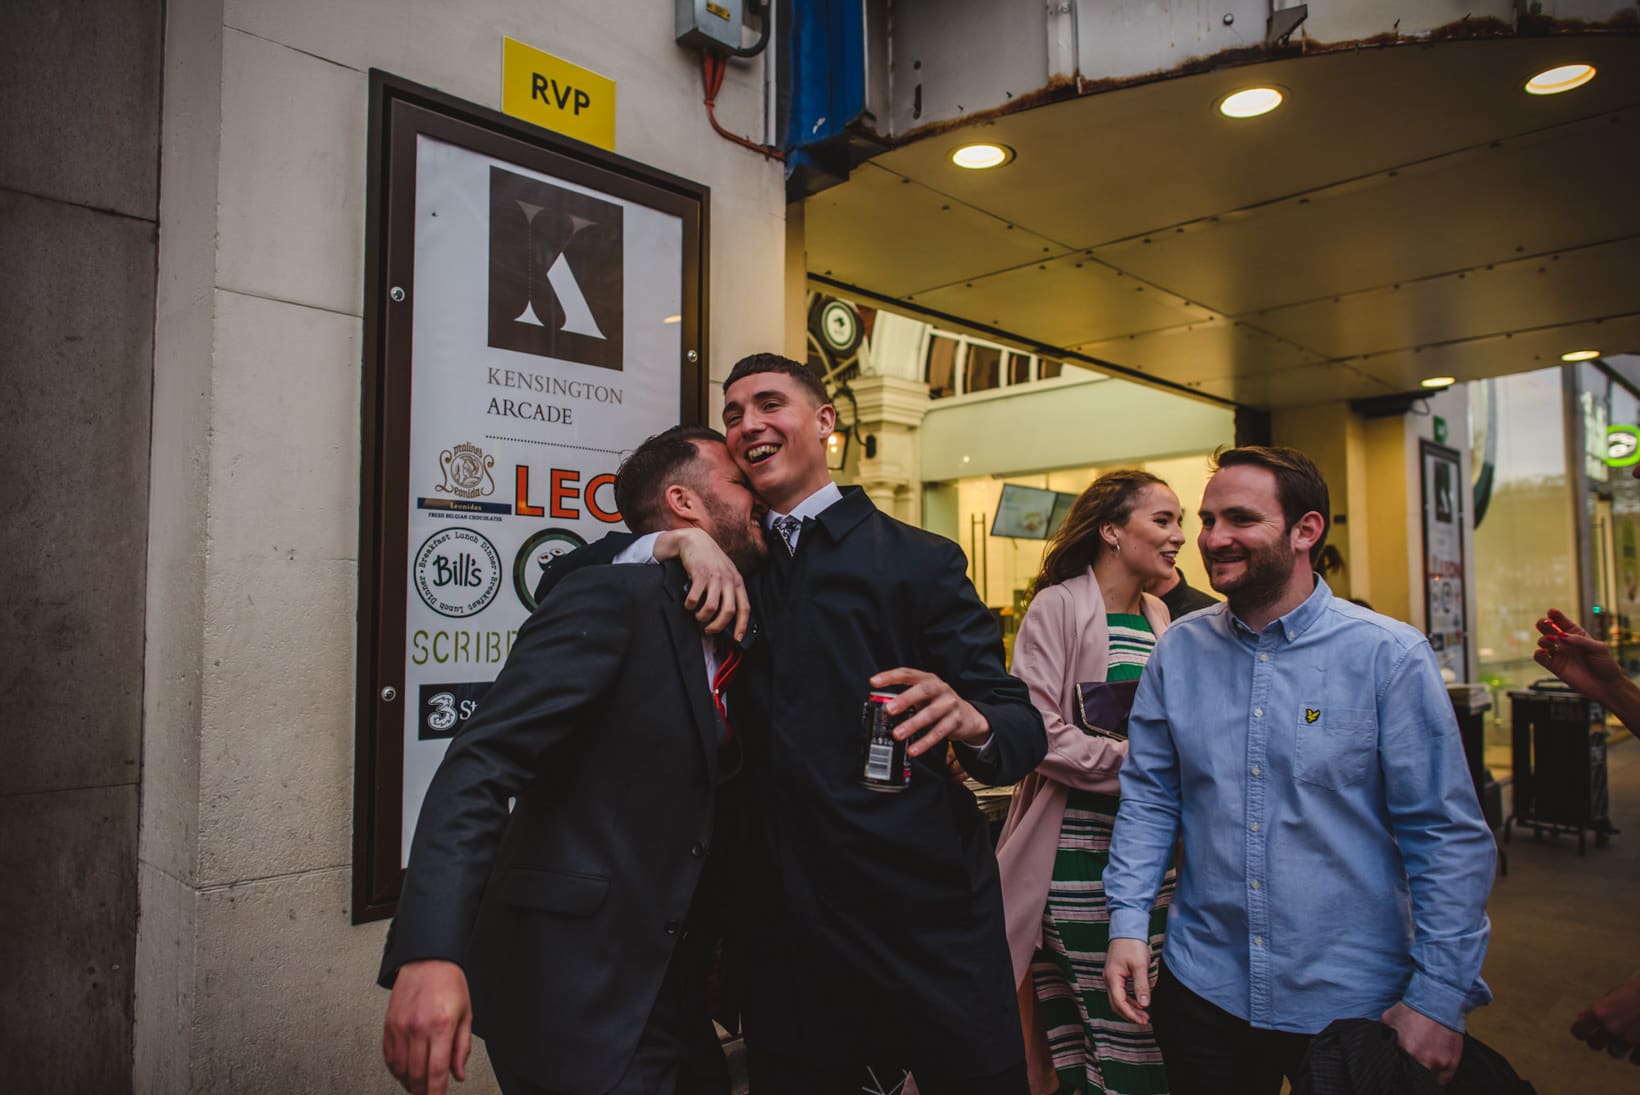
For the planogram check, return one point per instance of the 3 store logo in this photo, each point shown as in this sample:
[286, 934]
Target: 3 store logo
[555, 271]
[445, 708]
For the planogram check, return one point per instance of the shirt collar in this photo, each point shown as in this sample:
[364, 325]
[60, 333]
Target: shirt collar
[812, 506]
[1296, 622]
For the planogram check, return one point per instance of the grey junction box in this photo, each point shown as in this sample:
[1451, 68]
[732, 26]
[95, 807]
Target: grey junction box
[709, 24]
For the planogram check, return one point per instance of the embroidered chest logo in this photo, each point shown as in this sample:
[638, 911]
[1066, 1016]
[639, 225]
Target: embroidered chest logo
[1311, 714]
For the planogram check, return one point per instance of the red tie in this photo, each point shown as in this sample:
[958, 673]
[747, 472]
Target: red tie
[728, 656]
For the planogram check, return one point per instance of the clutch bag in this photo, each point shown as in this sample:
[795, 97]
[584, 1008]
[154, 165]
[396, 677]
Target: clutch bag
[1102, 707]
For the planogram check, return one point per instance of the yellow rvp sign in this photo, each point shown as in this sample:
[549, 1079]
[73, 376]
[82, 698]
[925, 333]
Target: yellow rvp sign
[554, 94]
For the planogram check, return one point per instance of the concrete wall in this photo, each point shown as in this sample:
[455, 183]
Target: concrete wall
[79, 123]
[250, 975]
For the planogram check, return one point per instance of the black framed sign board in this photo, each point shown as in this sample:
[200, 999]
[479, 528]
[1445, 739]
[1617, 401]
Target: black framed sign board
[1445, 568]
[533, 309]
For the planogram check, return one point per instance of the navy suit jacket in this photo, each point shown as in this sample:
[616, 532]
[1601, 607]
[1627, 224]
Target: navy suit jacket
[565, 913]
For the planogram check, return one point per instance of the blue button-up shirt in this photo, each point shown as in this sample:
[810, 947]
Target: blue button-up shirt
[1335, 859]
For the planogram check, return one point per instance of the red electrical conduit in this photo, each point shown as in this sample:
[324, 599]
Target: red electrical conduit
[712, 69]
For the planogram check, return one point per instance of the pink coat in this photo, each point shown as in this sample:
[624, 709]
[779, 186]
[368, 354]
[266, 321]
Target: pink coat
[1062, 642]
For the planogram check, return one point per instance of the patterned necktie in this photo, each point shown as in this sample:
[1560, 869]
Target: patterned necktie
[787, 527]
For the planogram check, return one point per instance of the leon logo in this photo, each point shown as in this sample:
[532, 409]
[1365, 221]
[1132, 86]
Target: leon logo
[457, 572]
[466, 471]
[445, 708]
[1311, 714]
[533, 558]
[555, 271]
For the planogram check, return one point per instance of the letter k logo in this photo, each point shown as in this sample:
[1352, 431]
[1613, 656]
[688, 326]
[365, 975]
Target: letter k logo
[555, 271]
[578, 318]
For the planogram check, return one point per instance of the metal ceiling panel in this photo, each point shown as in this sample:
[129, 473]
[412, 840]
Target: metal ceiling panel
[895, 236]
[1566, 188]
[1199, 352]
[1298, 387]
[1532, 292]
[1065, 301]
[1108, 166]
[1390, 181]
[1476, 359]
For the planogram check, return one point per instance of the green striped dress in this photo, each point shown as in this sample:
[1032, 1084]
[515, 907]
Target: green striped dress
[1094, 1050]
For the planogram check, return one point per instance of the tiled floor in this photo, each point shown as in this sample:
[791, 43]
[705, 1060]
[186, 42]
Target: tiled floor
[1565, 929]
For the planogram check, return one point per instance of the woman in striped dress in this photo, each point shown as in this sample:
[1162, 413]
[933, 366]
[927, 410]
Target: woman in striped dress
[1089, 621]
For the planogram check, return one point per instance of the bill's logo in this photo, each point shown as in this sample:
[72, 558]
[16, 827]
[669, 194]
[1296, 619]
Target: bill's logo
[445, 708]
[466, 471]
[555, 271]
[457, 572]
[1311, 714]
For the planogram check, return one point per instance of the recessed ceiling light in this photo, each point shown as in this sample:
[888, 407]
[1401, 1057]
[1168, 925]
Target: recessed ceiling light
[1250, 102]
[1563, 78]
[1580, 355]
[978, 157]
[1438, 381]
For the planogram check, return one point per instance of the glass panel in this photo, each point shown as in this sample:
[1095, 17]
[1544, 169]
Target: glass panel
[1525, 548]
[942, 372]
[1019, 368]
[983, 370]
[1047, 370]
[1625, 546]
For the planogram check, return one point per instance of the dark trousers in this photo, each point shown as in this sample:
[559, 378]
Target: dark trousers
[770, 1074]
[678, 1052]
[1208, 1051]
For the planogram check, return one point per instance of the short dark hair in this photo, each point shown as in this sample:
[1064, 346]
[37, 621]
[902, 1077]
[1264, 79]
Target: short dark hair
[649, 469]
[753, 364]
[1299, 486]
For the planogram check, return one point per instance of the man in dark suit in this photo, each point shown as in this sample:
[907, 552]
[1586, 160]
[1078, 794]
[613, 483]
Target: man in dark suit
[871, 922]
[569, 920]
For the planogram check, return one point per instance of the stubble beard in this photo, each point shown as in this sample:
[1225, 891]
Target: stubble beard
[1265, 575]
[742, 541]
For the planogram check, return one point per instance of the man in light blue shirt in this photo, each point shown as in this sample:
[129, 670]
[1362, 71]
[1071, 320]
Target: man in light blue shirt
[1335, 861]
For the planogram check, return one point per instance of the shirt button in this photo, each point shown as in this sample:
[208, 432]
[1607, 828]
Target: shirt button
[698, 850]
[1264, 657]
[672, 927]
[1258, 712]
[1258, 940]
[1255, 883]
[1256, 769]
[1255, 826]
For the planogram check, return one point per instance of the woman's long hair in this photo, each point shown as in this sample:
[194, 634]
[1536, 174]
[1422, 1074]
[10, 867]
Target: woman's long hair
[1109, 500]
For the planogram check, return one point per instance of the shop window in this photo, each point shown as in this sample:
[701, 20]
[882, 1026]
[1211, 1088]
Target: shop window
[1019, 368]
[1046, 370]
[941, 371]
[983, 369]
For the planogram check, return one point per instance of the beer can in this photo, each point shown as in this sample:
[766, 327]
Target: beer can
[883, 763]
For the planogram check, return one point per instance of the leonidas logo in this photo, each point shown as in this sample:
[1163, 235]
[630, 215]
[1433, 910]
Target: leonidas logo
[466, 471]
[555, 271]
[457, 572]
